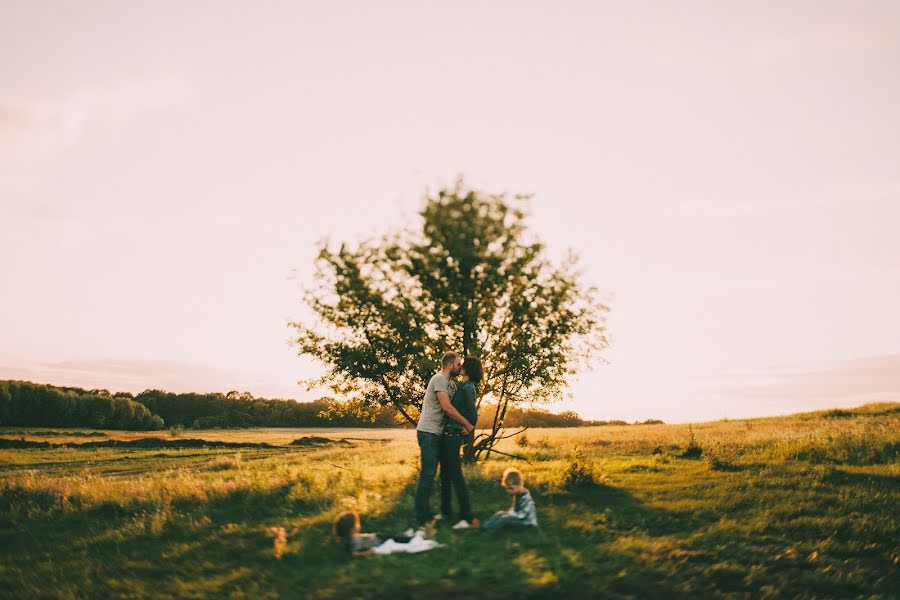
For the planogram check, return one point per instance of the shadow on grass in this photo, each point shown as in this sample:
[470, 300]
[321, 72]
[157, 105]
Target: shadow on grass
[142, 550]
[617, 510]
[562, 556]
[594, 541]
[835, 476]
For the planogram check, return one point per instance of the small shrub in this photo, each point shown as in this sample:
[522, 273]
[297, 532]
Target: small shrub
[542, 456]
[846, 447]
[837, 413]
[175, 431]
[580, 473]
[522, 440]
[693, 448]
[543, 443]
[226, 463]
[657, 463]
[641, 468]
[662, 459]
[721, 457]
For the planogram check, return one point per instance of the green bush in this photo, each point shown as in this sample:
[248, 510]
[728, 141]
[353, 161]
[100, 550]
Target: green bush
[693, 449]
[721, 457]
[837, 413]
[543, 443]
[861, 448]
[581, 473]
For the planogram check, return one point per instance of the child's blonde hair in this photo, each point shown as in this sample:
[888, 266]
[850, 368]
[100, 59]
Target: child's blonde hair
[513, 476]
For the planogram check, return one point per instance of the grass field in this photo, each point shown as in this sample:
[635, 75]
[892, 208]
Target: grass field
[798, 506]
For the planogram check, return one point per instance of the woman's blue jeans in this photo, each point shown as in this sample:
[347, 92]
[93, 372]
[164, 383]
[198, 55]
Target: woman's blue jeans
[452, 477]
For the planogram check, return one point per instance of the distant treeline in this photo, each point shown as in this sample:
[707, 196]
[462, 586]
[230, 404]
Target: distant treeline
[539, 417]
[241, 409]
[28, 404]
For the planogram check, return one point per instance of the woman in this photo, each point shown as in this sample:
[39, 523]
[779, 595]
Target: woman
[453, 438]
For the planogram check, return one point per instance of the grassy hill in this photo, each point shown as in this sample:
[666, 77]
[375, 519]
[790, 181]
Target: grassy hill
[796, 506]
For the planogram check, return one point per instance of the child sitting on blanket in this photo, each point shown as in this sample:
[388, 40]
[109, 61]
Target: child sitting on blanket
[522, 511]
[347, 531]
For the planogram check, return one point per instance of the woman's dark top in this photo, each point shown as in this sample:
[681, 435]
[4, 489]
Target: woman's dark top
[463, 401]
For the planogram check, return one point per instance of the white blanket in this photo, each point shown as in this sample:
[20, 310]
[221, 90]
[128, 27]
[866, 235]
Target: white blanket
[417, 544]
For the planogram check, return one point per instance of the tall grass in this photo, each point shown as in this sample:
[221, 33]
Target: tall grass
[795, 506]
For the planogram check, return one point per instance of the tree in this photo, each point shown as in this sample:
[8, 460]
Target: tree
[6, 401]
[23, 403]
[471, 280]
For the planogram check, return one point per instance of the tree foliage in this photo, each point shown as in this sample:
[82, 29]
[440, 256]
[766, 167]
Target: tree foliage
[29, 404]
[242, 409]
[470, 279]
[23, 403]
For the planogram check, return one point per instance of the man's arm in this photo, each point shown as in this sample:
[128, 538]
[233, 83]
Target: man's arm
[451, 411]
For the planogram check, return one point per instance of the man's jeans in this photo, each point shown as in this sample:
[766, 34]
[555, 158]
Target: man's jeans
[429, 445]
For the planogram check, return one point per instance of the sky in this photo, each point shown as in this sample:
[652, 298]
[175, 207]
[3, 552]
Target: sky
[729, 173]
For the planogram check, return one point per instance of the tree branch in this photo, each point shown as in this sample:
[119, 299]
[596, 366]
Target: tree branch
[509, 455]
[515, 433]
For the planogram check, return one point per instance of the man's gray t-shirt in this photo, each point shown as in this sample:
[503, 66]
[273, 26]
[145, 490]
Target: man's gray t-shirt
[432, 418]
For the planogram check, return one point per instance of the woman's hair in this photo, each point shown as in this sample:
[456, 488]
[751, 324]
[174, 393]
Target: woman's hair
[473, 369]
[345, 523]
[513, 476]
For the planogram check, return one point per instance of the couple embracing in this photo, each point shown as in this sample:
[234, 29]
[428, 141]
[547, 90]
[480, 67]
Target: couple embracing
[447, 420]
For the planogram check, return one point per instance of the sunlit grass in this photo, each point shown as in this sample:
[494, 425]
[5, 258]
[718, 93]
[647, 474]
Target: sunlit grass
[792, 506]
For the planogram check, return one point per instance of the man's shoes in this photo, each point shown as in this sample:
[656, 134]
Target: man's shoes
[462, 525]
[438, 517]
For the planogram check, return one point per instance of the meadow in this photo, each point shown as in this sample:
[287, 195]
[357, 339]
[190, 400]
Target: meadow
[796, 506]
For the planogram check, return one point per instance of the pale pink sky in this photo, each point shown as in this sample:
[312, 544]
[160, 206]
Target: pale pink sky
[729, 172]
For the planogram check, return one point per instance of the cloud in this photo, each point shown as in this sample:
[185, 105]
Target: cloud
[36, 128]
[138, 375]
[824, 42]
[871, 194]
[789, 275]
[835, 383]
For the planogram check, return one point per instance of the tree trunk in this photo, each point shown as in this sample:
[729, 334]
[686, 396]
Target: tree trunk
[409, 419]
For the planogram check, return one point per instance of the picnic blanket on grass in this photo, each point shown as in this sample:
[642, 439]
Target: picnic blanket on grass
[413, 546]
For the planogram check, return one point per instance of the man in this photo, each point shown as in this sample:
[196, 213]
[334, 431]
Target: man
[436, 407]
